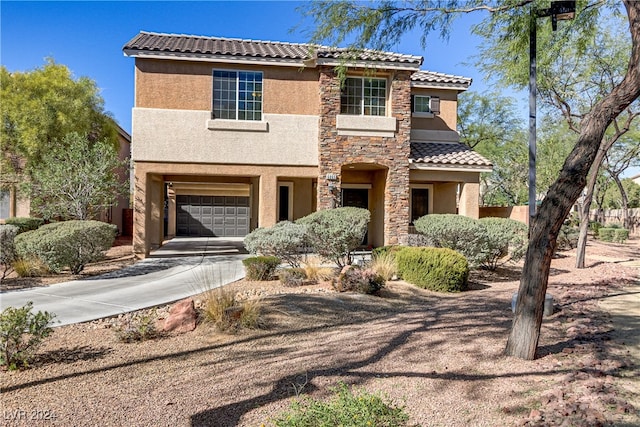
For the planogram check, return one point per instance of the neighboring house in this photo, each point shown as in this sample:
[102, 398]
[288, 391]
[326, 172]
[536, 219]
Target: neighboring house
[636, 179]
[230, 135]
[13, 204]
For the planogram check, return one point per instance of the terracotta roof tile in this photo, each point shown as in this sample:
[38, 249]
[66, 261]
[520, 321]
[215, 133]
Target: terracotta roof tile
[439, 153]
[424, 77]
[200, 45]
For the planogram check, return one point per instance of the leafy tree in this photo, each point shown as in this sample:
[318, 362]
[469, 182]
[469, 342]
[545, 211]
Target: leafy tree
[40, 107]
[487, 124]
[381, 25]
[622, 155]
[613, 199]
[76, 179]
[555, 142]
[596, 66]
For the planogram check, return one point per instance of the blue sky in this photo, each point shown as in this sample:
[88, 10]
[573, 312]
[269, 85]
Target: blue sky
[88, 37]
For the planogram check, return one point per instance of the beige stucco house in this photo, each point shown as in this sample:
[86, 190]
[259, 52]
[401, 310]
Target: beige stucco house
[229, 135]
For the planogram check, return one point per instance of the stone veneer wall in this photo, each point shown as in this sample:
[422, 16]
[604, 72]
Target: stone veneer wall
[337, 150]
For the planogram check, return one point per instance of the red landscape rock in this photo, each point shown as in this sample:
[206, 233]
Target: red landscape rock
[182, 317]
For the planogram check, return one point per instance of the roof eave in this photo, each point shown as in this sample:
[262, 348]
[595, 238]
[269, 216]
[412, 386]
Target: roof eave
[431, 85]
[387, 65]
[450, 168]
[229, 59]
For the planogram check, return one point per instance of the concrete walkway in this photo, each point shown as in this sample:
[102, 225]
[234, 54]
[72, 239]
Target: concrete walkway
[181, 268]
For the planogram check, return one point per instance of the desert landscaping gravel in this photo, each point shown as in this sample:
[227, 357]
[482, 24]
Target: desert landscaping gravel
[439, 355]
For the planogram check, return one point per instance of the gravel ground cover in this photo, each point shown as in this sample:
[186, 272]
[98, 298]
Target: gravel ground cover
[440, 355]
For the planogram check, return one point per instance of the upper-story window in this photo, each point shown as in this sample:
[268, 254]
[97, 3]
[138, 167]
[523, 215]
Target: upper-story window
[425, 105]
[364, 96]
[237, 95]
[421, 104]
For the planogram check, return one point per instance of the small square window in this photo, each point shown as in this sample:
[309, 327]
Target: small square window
[421, 104]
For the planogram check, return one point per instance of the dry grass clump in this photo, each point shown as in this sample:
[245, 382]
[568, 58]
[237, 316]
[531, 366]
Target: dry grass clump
[223, 309]
[384, 264]
[30, 267]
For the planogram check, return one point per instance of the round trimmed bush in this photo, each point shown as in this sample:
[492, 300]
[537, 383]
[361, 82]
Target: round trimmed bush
[506, 240]
[335, 233]
[71, 244]
[25, 224]
[437, 269]
[457, 232]
[260, 267]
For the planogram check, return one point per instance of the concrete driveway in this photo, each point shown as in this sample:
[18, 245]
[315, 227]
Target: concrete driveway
[180, 268]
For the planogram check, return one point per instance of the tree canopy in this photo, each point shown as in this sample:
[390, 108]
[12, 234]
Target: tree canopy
[77, 179]
[40, 107]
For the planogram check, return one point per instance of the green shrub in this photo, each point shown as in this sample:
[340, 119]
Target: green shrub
[437, 269]
[70, 244]
[506, 238]
[285, 240]
[595, 226]
[345, 409]
[620, 235]
[7, 248]
[260, 267]
[25, 224]
[335, 233]
[354, 278]
[606, 234]
[293, 277]
[457, 232]
[21, 332]
[567, 237]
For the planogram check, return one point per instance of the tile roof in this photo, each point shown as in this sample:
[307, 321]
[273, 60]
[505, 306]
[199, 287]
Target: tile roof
[446, 154]
[430, 78]
[200, 45]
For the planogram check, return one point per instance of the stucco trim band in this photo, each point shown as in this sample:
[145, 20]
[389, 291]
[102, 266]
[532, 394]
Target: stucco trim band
[366, 125]
[239, 125]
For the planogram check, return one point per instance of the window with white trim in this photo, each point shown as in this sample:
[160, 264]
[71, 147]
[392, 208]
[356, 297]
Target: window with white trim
[364, 96]
[421, 104]
[424, 105]
[237, 95]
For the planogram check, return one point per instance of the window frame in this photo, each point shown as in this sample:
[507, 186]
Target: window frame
[429, 188]
[237, 101]
[362, 104]
[289, 212]
[414, 103]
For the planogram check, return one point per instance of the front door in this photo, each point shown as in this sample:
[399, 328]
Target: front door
[357, 198]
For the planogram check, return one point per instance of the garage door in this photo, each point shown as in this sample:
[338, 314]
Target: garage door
[219, 216]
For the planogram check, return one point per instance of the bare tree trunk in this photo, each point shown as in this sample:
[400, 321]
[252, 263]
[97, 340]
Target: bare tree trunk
[525, 331]
[586, 206]
[625, 203]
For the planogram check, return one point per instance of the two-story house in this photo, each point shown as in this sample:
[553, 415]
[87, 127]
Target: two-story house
[230, 135]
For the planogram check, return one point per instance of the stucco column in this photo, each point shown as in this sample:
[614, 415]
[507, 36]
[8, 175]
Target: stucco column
[171, 221]
[469, 197]
[140, 200]
[267, 211]
[155, 214]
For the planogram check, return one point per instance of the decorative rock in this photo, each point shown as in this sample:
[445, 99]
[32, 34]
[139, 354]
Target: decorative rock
[182, 317]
